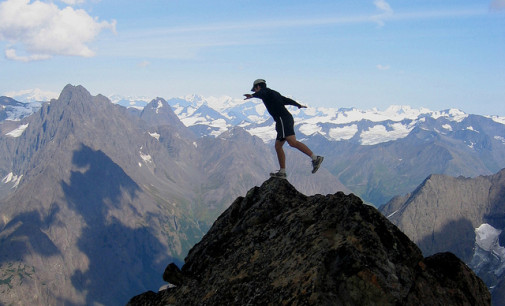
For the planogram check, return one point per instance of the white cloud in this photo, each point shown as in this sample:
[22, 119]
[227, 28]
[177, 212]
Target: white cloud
[383, 6]
[385, 11]
[73, 2]
[38, 30]
[12, 55]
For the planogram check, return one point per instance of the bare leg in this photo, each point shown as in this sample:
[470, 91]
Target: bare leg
[296, 144]
[280, 153]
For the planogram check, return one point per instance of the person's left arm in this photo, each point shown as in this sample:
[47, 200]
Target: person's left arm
[288, 101]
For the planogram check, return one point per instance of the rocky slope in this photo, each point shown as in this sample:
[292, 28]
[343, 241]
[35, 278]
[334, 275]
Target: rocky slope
[462, 215]
[278, 246]
[83, 206]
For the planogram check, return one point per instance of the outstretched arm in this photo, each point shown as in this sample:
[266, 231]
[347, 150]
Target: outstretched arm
[248, 96]
[288, 101]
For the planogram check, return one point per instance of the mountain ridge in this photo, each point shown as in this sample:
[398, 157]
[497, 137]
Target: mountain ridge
[83, 202]
[461, 215]
[413, 143]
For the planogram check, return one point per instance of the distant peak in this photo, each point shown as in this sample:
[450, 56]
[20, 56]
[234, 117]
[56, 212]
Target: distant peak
[70, 90]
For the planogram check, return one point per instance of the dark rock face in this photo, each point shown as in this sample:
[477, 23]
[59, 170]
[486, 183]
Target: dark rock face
[278, 246]
[444, 214]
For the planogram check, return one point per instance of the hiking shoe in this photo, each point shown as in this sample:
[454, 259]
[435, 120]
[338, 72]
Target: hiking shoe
[316, 163]
[278, 174]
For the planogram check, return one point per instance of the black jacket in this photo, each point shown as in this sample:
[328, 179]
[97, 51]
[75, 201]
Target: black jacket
[274, 102]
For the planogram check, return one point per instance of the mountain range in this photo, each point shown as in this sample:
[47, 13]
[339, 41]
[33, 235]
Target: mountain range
[88, 187]
[375, 154]
[86, 182]
[465, 216]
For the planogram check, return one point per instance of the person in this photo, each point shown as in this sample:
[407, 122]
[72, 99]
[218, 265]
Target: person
[284, 125]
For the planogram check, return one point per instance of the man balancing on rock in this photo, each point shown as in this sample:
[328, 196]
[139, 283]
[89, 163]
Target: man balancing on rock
[284, 125]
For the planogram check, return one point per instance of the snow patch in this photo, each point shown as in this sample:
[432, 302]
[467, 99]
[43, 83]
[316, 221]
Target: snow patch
[146, 157]
[221, 126]
[310, 129]
[487, 236]
[155, 135]
[500, 138]
[394, 113]
[17, 132]
[379, 133]
[451, 114]
[497, 119]
[190, 121]
[255, 118]
[488, 254]
[160, 105]
[266, 133]
[393, 213]
[260, 109]
[343, 133]
[447, 127]
[12, 178]
[470, 128]
[8, 178]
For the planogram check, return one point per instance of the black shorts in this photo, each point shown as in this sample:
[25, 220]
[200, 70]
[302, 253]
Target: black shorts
[285, 126]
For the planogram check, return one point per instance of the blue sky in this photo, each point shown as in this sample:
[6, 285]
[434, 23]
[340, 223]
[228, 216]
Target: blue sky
[432, 53]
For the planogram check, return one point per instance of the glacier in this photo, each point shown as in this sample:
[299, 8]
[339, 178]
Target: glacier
[489, 255]
[364, 127]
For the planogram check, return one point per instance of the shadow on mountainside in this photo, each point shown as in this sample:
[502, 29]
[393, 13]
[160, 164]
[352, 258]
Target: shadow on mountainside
[457, 237]
[122, 259]
[24, 235]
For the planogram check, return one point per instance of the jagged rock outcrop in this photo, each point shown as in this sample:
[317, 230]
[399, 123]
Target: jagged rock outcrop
[94, 194]
[277, 246]
[465, 216]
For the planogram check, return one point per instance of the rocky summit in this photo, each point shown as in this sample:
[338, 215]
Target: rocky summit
[277, 246]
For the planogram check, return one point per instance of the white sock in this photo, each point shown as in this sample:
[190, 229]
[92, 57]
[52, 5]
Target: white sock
[313, 156]
[282, 170]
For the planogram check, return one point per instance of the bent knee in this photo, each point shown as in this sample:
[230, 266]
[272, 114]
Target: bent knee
[293, 143]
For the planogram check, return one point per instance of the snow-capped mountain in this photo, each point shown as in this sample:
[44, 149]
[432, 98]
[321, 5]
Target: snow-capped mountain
[211, 116]
[32, 95]
[130, 101]
[364, 127]
[13, 110]
[395, 148]
[373, 152]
